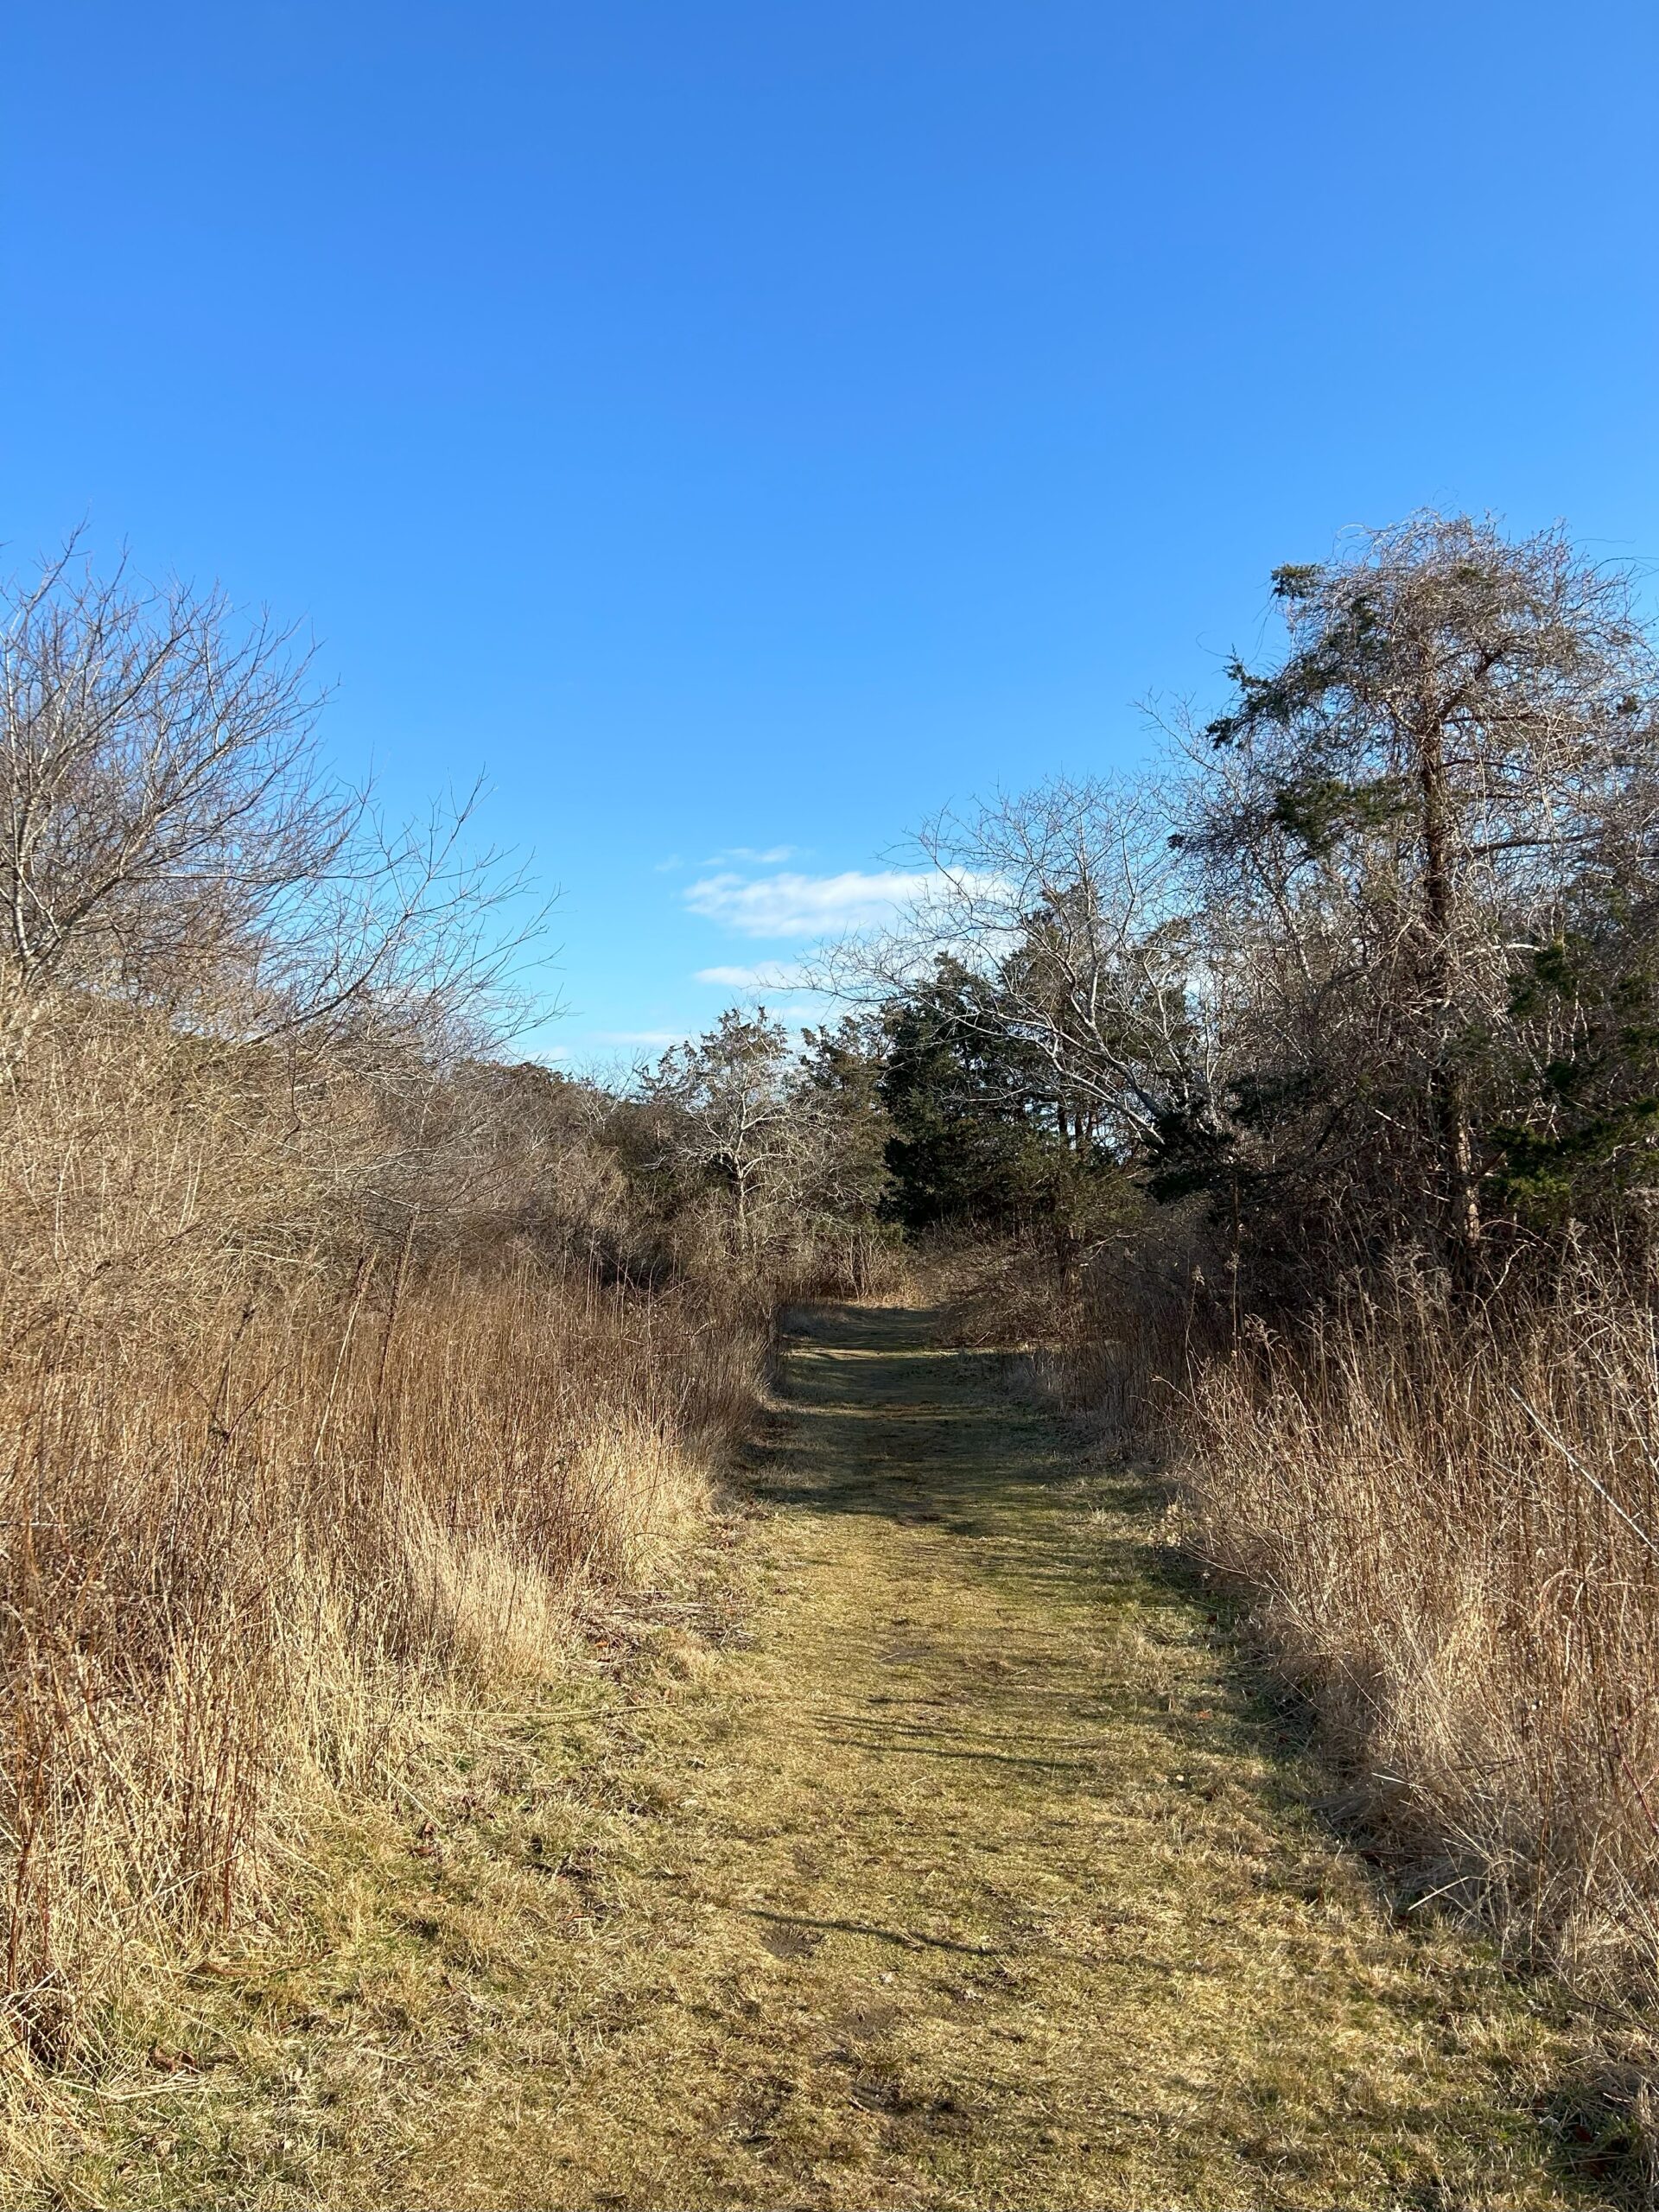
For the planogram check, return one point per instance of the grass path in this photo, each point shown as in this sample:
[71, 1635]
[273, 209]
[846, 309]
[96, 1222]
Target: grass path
[971, 1876]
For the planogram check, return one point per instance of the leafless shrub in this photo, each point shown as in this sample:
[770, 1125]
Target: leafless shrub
[168, 835]
[337, 1372]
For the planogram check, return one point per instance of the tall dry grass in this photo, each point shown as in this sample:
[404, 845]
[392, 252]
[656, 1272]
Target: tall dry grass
[1446, 1523]
[278, 1491]
[1451, 1524]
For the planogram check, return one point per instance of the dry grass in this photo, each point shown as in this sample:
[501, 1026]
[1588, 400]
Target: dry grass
[1114, 1338]
[1452, 1525]
[276, 1500]
[1444, 1525]
[963, 1868]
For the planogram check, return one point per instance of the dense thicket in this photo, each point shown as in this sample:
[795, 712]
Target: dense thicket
[1369, 964]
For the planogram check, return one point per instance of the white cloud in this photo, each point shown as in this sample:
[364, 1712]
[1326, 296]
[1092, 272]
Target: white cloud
[769, 975]
[803, 905]
[753, 856]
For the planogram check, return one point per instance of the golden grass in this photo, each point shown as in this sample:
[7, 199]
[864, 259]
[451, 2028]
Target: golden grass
[275, 1501]
[214, 1632]
[1452, 1524]
[931, 1849]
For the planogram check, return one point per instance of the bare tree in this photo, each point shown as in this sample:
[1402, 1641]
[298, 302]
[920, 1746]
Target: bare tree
[1071, 897]
[731, 1096]
[160, 796]
[167, 833]
[1380, 936]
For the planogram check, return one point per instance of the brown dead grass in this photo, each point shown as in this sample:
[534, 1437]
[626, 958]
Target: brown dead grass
[1452, 1524]
[277, 1497]
[932, 1848]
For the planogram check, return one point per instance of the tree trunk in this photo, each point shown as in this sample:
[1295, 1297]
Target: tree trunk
[1454, 1138]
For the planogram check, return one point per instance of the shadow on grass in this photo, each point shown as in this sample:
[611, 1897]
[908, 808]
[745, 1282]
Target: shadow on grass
[885, 1423]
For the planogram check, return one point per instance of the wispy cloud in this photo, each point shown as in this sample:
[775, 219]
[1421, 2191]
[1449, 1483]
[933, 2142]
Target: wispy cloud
[790, 905]
[755, 856]
[637, 1036]
[768, 976]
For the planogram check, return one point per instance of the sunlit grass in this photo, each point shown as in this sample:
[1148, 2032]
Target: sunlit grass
[923, 1844]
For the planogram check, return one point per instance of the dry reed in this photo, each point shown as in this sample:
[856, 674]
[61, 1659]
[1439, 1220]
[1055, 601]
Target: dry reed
[1451, 1524]
[277, 1495]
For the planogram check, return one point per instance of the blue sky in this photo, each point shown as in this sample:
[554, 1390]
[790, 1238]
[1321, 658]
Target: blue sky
[741, 427]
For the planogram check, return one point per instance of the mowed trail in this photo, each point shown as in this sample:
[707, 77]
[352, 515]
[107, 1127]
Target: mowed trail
[972, 1870]
[978, 1879]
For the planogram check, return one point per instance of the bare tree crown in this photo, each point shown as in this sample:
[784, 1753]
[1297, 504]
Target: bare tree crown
[169, 834]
